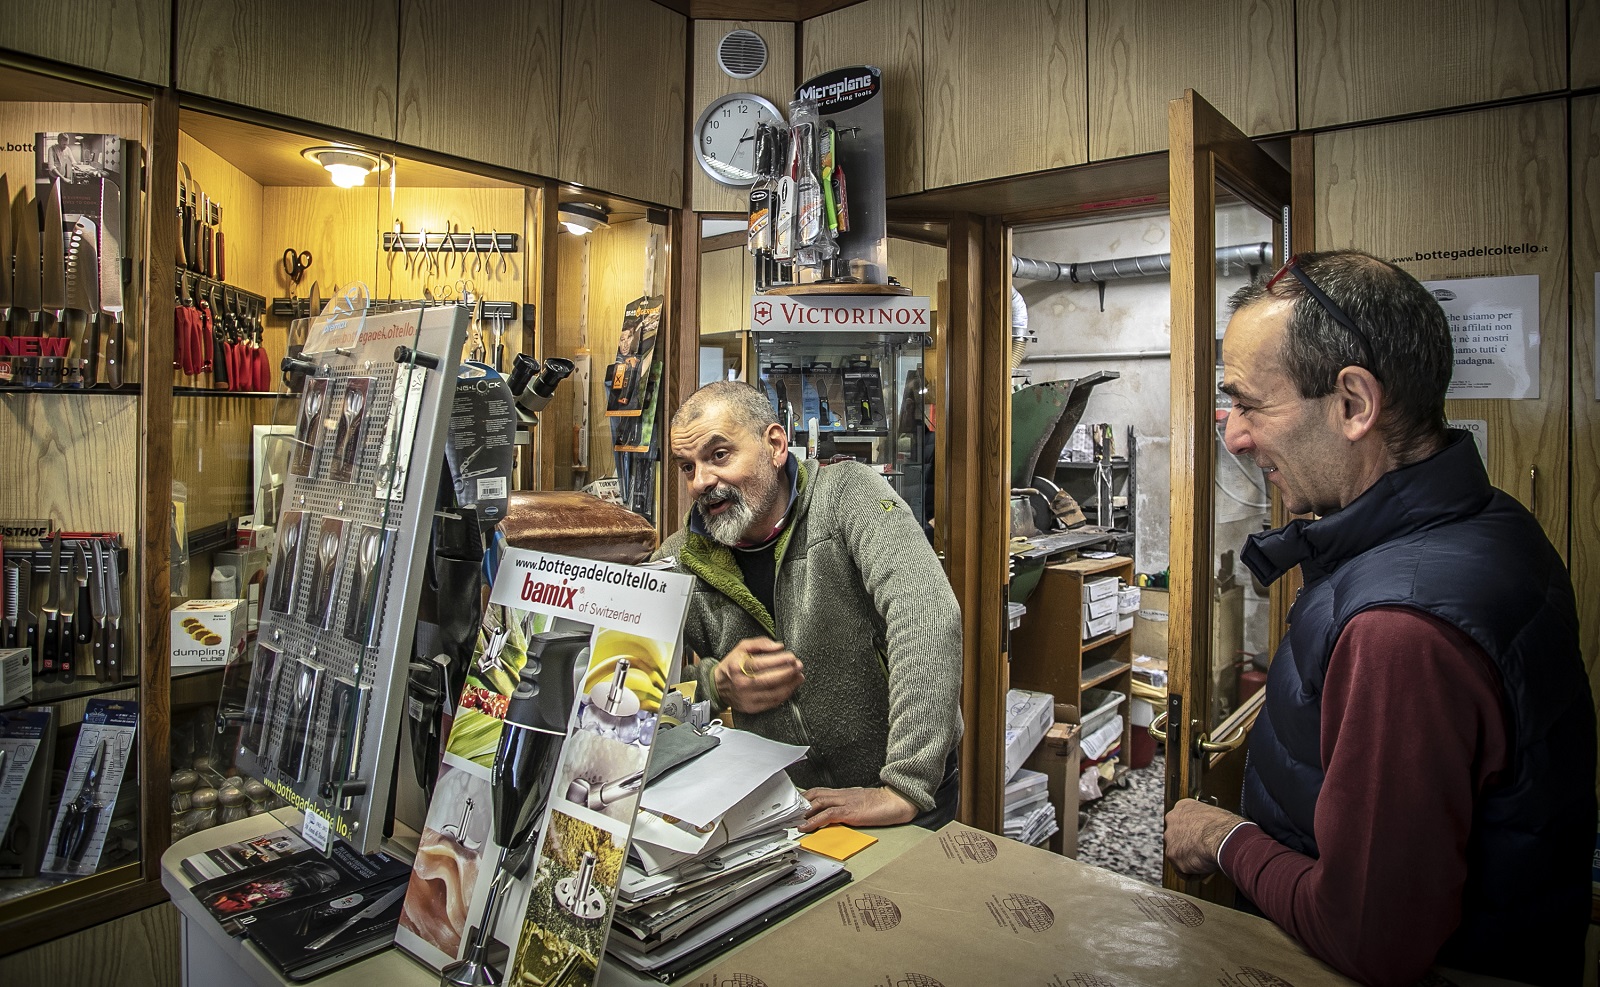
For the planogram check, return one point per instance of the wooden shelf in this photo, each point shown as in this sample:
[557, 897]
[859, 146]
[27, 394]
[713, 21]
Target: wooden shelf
[1105, 639]
[1102, 671]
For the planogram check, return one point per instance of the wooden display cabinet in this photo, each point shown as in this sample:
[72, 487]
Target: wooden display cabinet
[1049, 653]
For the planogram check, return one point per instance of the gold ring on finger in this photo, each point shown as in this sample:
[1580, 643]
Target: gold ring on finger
[744, 666]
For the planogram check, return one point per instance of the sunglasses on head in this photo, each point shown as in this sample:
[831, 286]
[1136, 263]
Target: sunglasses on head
[1328, 305]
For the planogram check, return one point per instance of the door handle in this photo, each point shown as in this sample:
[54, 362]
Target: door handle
[1233, 742]
[1158, 727]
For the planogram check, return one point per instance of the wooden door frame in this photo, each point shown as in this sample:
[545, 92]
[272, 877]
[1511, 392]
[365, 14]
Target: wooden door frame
[1206, 147]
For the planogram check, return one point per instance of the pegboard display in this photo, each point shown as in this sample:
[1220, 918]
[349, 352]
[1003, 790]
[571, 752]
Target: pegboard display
[323, 692]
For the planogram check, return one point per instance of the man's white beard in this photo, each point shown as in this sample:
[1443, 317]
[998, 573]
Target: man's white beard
[732, 525]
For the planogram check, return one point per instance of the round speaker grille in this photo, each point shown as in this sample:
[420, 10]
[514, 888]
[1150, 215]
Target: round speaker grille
[742, 54]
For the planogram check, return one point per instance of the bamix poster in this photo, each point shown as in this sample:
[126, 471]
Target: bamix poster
[603, 640]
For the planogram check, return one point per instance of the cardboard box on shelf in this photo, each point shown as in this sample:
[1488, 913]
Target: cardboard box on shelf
[1150, 623]
[1057, 757]
[1100, 626]
[16, 675]
[1099, 589]
[1095, 609]
[207, 632]
[1028, 716]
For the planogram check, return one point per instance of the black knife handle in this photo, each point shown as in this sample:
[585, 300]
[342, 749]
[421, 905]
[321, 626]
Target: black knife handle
[52, 645]
[113, 350]
[31, 639]
[66, 648]
[114, 655]
[85, 625]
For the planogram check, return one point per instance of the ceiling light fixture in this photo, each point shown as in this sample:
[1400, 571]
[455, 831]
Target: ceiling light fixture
[582, 217]
[349, 166]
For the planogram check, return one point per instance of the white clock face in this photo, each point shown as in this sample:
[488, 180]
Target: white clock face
[725, 137]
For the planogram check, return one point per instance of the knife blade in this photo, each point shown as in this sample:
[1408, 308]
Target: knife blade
[25, 242]
[83, 283]
[52, 613]
[114, 611]
[98, 591]
[28, 636]
[111, 283]
[83, 615]
[371, 911]
[5, 251]
[53, 290]
[13, 602]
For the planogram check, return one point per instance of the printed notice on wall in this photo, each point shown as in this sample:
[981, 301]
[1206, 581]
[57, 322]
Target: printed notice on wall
[1480, 433]
[1495, 325]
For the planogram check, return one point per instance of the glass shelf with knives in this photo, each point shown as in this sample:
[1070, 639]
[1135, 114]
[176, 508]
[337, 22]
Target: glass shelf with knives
[72, 686]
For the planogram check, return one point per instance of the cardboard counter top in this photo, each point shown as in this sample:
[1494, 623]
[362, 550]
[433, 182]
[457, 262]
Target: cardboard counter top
[969, 909]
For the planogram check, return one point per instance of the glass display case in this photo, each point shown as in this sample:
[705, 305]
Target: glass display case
[77, 701]
[855, 395]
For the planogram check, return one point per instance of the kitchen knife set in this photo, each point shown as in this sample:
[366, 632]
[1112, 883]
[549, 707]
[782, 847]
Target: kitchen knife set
[60, 292]
[64, 603]
[201, 246]
[799, 203]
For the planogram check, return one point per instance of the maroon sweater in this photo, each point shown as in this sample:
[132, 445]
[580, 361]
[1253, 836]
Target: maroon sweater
[1413, 730]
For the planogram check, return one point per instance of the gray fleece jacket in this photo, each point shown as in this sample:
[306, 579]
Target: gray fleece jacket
[863, 602]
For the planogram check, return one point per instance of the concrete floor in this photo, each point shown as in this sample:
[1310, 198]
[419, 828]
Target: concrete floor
[1123, 830]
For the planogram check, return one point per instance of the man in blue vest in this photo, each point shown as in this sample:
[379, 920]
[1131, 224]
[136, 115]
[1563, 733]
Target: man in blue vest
[1420, 788]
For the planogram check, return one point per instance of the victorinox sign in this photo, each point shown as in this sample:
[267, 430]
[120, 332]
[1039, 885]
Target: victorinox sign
[895, 313]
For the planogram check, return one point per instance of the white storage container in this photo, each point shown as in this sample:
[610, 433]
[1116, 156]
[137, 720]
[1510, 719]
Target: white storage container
[1099, 705]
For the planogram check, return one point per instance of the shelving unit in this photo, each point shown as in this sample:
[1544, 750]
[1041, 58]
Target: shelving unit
[1048, 652]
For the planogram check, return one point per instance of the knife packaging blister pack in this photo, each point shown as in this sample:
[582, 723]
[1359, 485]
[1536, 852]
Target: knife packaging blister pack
[66, 244]
[63, 602]
[27, 743]
[816, 209]
[481, 449]
[16, 676]
[105, 742]
[207, 632]
[317, 703]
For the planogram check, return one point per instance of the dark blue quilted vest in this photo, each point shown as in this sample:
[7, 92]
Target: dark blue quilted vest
[1436, 537]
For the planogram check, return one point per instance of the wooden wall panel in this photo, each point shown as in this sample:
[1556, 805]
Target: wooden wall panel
[725, 289]
[132, 39]
[211, 455]
[616, 276]
[143, 949]
[21, 121]
[1238, 55]
[1584, 39]
[241, 197]
[918, 266]
[1585, 558]
[1388, 190]
[622, 98]
[438, 209]
[776, 82]
[1369, 59]
[888, 34]
[329, 63]
[1005, 88]
[497, 106]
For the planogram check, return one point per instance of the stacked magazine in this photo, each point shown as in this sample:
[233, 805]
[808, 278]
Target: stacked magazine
[712, 860]
[308, 913]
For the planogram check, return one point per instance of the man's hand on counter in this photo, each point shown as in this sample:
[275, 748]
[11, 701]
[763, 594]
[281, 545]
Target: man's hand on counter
[856, 807]
[1195, 832]
[757, 675]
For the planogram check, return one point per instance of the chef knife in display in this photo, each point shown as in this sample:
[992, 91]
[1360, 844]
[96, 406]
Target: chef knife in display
[53, 284]
[76, 570]
[6, 252]
[111, 283]
[83, 292]
[113, 641]
[28, 633]
[97, 594]
[25, 282]
[52, 613]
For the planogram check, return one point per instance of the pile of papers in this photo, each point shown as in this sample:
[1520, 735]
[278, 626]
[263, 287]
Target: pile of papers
[1030, 818]
[1106, 736]
[711, 862]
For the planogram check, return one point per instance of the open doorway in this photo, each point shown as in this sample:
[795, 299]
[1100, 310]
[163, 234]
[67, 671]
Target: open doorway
[1093, 297]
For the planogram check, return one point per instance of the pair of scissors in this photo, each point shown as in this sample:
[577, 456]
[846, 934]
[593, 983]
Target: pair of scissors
[295, 265]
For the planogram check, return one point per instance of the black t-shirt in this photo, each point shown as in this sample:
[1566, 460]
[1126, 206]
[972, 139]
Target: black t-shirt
[759, 567]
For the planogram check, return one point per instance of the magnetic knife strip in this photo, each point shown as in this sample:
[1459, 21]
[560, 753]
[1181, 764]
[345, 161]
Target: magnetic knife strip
[64, 602]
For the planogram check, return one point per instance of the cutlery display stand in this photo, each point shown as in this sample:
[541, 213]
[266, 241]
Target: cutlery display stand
[323, 691]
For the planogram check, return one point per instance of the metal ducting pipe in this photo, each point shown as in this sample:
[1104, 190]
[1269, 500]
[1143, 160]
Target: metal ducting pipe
[1020, 334]
[1150, 265]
